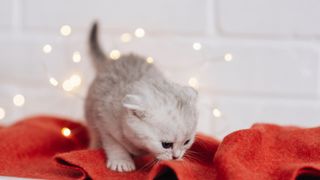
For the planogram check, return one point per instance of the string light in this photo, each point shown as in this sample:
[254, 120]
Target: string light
[126, 37]
[71, 83]
[65, 30]
[193, 82]
[66, 132]
[76, 57]
[115, 54]
[197, 46]
[53, 81]
[67, 85]
[216, 113]
[149, 60]
[18, 100]
[47, 48]
[2, 113]
[227, 57]
[139, 33]
[75, 80]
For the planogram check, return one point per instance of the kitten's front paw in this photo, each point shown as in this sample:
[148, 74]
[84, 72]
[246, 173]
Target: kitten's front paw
[121, 165]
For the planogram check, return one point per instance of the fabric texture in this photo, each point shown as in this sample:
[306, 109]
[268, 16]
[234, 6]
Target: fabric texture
[35, 148]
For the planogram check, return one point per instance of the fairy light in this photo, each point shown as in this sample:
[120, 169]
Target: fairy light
[66, 132]
[18, 100]
[2, 113]
[67, 85]
[75, 80]
[126, 37]
[65, 30]
[149, 60]
[197, 46]
[193, 82]
[53, 81]
[71, 83]
[47, 48]
[216, 112]
[139, 33]
[228, 57]
[76, 57]
[115, 54]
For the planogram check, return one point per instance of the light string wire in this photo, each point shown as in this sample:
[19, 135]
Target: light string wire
[75, 81]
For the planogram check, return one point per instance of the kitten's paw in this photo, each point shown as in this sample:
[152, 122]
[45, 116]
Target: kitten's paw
[121, 165]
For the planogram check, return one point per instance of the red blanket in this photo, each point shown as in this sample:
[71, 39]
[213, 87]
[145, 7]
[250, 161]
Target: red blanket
[35, 148]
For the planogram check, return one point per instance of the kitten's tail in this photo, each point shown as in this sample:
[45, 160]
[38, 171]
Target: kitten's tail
[95, 50]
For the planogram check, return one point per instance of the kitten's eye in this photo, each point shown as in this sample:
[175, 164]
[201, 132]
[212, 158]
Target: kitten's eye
[167, 145]
[138, 114]
[187, 141]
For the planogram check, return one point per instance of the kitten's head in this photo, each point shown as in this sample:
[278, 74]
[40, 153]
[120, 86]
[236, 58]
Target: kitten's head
[162, 118]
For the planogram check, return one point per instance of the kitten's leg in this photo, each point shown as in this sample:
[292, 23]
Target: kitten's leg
[118, 157]
[94, 137]
[94, 140]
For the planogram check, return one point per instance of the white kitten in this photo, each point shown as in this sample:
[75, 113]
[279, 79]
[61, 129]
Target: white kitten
[131, 109]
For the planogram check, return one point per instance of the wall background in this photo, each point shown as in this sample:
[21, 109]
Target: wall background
[273, 77]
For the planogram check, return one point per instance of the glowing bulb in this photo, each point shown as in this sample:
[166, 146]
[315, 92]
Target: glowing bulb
[115, 54]
[71, 83]
[18, 100]
[228, 57]
[193, 82]
[47, 48]
[2, 113]
[149, 60]
[197, 46]
[66, 132]
[67, 85]
[216, 113]
[75, 80]
[53, 81]
[126, 37]
[139, 32]
[65, 30]
[76, 56]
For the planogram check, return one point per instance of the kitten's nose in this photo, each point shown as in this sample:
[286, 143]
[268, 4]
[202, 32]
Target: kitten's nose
[176, 154]
[175, 157]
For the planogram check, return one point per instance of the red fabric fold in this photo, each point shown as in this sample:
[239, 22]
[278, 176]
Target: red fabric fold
[27, 147]
[92, 163]
[35, 148]
[269, 152]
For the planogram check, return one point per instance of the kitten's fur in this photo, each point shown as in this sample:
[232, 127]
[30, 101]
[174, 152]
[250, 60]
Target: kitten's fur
[131, 109]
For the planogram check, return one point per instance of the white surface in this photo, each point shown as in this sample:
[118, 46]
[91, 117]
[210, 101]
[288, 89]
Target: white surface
[13, 178]
[5, 13]
[273, 77]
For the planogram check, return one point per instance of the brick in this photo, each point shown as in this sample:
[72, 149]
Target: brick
[279, 70]
[269, 17]
[23, 61]
[241, 112]
[45, 100]
[155, 16]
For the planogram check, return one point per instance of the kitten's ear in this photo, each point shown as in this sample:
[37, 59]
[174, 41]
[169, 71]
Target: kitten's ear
[133, 102]
[191, 93]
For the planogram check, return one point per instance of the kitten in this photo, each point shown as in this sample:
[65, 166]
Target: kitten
[132, 110]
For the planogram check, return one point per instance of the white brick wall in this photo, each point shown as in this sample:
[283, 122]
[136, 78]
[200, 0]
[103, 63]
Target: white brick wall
[273, 77]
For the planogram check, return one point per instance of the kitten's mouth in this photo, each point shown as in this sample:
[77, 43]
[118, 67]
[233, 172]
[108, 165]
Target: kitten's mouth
[169, 159]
